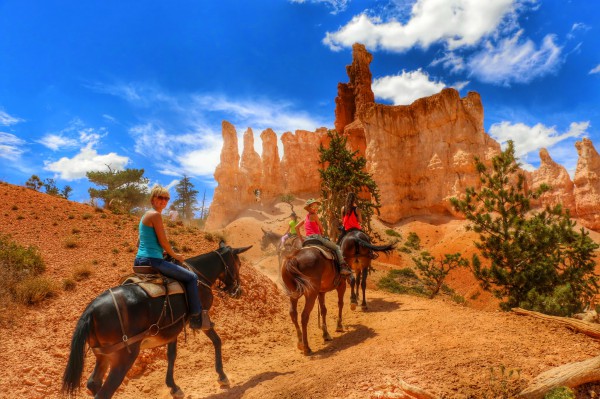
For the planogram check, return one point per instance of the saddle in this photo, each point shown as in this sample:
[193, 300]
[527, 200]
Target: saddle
[154, 284]
[326, 252]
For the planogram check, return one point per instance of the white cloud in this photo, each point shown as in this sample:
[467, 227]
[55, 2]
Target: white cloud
[56, 142]
[11, 147]
[406, 87]
[336, 5]
[596, 69]
[514, 60]
[86, 160]
[457, 23]
[532, 138]
[258, 114]
[7, 120]
[195, 154]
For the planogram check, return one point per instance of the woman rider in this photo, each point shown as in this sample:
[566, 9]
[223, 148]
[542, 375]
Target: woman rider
[152, 241]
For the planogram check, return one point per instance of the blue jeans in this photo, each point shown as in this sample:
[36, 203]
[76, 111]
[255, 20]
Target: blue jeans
[188, 278]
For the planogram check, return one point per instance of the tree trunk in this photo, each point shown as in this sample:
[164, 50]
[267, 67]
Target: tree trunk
[569, 375]
[585, 327]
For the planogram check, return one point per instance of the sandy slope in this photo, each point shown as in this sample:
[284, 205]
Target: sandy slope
[440, 346]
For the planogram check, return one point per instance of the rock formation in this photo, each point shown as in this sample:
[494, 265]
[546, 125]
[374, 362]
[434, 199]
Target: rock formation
[420, 155]
[237, 180]
[556, 176]
[587, 184]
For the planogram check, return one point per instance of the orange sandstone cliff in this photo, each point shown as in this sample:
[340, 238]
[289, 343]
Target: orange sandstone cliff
[420, 155]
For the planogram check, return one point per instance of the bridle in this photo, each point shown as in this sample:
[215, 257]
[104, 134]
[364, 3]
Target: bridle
[234, 290]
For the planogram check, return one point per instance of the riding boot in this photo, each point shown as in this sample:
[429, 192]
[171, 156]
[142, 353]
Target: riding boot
[206, 323]
[200, 321]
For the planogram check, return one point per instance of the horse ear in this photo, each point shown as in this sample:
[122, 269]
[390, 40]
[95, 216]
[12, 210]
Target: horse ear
[222, 244]
[237, 251]
[263, 230]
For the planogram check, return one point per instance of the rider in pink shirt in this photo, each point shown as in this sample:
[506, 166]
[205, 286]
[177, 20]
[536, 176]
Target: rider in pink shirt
[314, 230]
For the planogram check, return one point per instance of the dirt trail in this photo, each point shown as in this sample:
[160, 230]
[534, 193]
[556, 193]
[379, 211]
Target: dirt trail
[437, 345]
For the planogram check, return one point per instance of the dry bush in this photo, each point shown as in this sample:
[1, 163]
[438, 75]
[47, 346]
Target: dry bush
[70, 242]
[81, 272]
[33, 290]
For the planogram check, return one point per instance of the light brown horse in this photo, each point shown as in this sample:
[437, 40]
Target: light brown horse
[358, 252]
[309, 273]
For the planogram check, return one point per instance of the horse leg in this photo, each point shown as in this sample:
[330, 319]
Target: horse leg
[216, 341]
[176, 392]
[341, 290]
[323, 308]
[308, 306]
[120, 363]
[95, 381]
[354, 294]
[363, 285]
[294, 317]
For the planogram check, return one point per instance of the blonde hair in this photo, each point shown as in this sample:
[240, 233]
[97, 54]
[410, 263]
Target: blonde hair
[159, 190]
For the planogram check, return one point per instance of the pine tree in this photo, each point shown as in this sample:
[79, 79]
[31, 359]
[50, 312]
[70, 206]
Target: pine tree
[124, 190]
[342, 172]
[185, 203]
[537, 260]
[34, 183]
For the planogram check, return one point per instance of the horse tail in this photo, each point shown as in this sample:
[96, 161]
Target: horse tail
[379, 248]
[74, 369]
[301, 281]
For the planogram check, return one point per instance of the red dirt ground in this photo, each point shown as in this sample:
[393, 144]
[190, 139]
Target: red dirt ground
[447, 349]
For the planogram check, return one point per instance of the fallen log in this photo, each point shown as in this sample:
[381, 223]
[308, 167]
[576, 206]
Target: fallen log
[585, 327]
[569, 375]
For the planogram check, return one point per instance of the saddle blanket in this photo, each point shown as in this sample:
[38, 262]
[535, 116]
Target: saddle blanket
[154, 287]
[326, 253]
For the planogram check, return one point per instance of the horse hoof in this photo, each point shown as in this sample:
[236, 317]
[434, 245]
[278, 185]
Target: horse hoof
[353, 306]
[178, 394]
[364, 307]
[308, 352]
[339, 329]
[327, 338]
[224, 382]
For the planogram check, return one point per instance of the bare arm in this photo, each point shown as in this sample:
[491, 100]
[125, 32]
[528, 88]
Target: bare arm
[159, 228]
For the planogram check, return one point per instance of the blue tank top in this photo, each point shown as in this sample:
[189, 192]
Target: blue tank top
[149, 246]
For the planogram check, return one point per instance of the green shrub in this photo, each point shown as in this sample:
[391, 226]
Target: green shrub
[560, 393]
[402, 281]
[393, 233]
[434, 271]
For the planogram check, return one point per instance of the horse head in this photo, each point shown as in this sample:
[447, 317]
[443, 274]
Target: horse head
[231, 276]
[265, 240]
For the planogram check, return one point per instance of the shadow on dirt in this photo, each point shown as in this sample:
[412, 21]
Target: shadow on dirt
[355, 334]
[380, 305]
[238, 391]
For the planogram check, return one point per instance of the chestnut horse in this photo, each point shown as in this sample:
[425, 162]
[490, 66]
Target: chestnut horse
[358, 252]
[309, 273]
[123, 320]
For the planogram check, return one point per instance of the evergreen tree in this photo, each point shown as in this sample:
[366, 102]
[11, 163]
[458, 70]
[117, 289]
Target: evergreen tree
[186, 201]
[343, 172]
[34, 183]
[66, 192]
[537, 260]
[51, 188]
[123, 190]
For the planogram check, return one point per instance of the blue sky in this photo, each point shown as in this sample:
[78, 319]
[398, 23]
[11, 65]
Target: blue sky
[131, 84]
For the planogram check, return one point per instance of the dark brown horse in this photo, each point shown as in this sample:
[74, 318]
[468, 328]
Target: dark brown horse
[123, 320]
[309, 273]
[358, 252]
